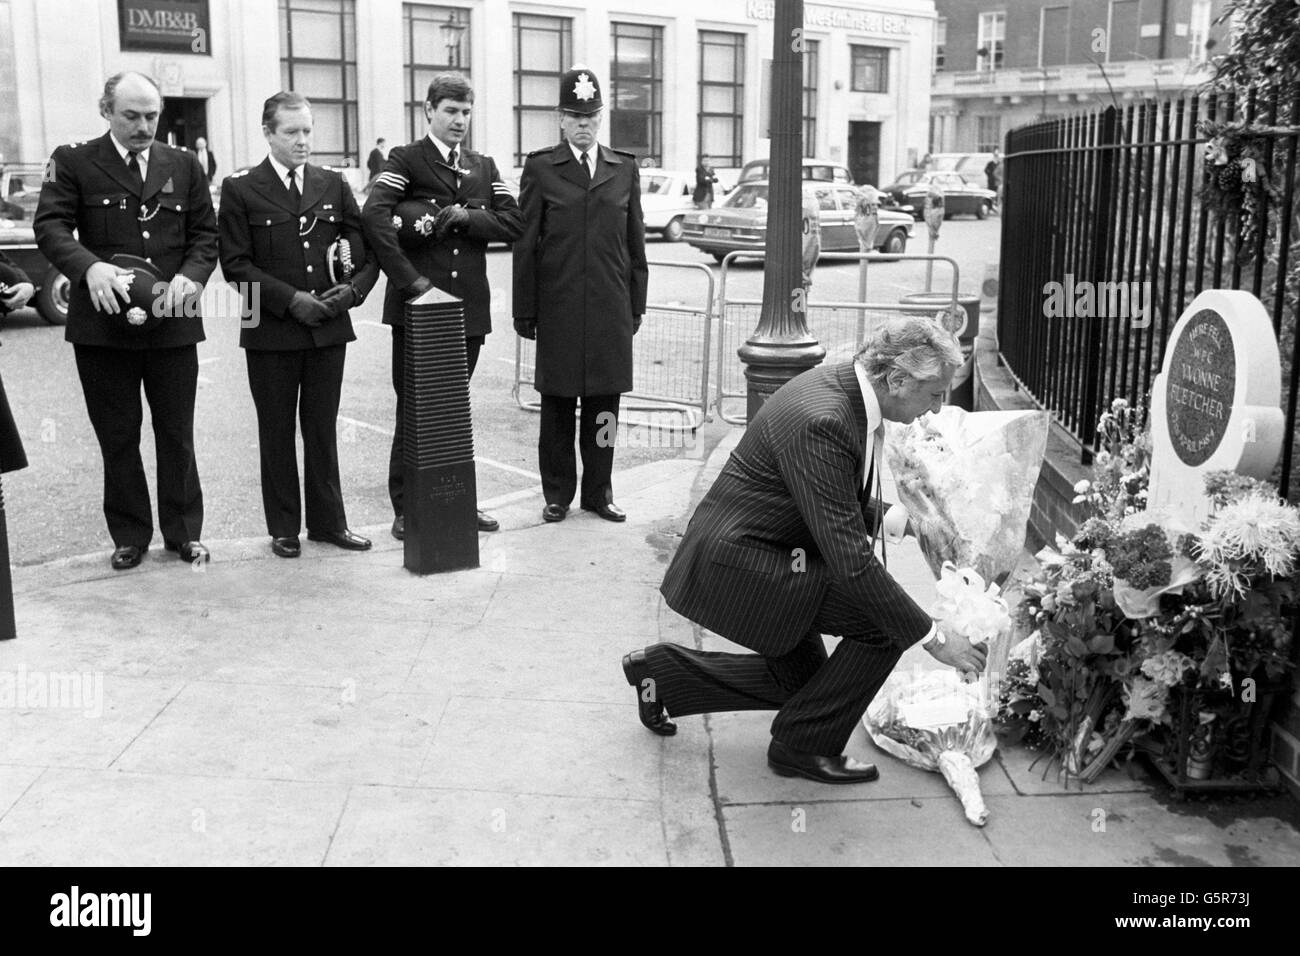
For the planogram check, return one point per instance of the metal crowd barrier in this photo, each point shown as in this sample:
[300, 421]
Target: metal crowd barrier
[670, 358]
[838, 326]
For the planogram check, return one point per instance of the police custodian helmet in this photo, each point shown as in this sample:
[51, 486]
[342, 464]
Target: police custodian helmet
[580, 91]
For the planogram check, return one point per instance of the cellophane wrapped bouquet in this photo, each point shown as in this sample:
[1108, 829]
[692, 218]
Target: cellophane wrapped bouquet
[939, 720]
[967, 480]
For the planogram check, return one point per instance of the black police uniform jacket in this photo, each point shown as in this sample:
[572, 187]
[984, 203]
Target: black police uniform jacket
[267, 240]
[456, 263]
[168, 221]
[580, 269]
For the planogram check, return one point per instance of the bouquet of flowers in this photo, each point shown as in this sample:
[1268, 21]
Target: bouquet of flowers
[967, 480]
[938, 720]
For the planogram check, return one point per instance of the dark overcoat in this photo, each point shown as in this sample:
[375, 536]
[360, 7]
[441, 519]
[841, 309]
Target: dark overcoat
[271, 248]
[167, 220]
[580, 269]
[456, 262]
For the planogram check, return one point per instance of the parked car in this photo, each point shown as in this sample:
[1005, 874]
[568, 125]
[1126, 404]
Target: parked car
[960, 198]
[665, 199]
[822, 170]
[20, 187]
[740, 222]
[969, 166]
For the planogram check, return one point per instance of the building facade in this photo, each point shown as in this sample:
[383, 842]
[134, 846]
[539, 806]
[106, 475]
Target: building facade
[680, 79]
[999, 64]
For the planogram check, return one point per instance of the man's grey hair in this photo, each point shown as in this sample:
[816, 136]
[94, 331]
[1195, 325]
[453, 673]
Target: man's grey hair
[916, 344]
[107, 100]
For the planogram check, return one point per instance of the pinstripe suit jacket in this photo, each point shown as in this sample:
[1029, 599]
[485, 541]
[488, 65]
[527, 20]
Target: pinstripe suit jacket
[793, 481]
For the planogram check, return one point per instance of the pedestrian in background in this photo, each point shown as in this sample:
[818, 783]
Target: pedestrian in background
[469, 205]
[280, 222]
[125, 193]
[704, 180]
[207, 161]
[375, 162]
[580, 289]
[993, 171]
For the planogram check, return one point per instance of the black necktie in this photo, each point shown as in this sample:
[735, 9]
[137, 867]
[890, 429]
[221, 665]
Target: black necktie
[453, 159]
[582, 161]
[294, 193]
[133, 164]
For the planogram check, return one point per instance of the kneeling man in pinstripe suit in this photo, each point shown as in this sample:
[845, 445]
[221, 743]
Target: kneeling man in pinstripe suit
[781, 551]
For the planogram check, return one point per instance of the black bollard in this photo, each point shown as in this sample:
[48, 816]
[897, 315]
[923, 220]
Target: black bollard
[438, 439]
[8, 628]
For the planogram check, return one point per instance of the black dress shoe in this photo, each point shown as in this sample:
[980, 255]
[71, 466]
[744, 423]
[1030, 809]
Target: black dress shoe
[610, 512]
[554, 512]
[342, 539]
[651, 712]
[789, 762]
[399, 527]
[487, 523]
[128, 556]
[190, 551]
[286, 547]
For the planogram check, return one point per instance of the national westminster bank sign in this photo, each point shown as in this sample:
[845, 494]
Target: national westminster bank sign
[815, 15]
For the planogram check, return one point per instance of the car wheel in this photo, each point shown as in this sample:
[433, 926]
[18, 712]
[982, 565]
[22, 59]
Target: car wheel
[52, 300]
[673, 231]
[895, 243]
[982, 211]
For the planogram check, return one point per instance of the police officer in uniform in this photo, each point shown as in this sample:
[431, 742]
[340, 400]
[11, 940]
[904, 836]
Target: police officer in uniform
[124, 193]
[279, 221]
[469, 206]
[580, 290]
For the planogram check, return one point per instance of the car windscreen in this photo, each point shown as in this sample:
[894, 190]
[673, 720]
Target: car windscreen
[656, 185]
[747, 196]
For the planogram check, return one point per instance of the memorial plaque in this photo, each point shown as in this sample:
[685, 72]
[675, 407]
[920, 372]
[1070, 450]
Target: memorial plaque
[438, 439]
[1200, 386]
[1215, 404]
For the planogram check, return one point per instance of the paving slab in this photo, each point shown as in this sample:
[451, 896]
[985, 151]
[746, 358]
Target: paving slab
[109, 818]
[562, 748]
[389, 826]
[285, 732]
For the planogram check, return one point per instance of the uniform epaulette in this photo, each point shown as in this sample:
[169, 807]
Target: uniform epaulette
[240, 172]
[80, 142]
[544, 149]
[623, 152]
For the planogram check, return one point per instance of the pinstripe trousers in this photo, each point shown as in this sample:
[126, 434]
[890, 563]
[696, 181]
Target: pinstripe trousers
[818, 699]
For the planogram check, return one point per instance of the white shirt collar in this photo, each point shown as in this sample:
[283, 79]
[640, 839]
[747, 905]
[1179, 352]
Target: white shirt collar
[282, 171]
[875, 418]
[443, 149]
[141, 155]
[591, 153]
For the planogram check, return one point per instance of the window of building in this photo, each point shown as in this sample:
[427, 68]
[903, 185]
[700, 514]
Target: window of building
[1199, 32]
[543, 50]
[988, 136]
[1123, 33]
[991, 38]
[940, 44]
[869, 69]
[436, 39]
[318, 43]
[636, 79]
[810, 67]
[1054, 36]
[722, 97]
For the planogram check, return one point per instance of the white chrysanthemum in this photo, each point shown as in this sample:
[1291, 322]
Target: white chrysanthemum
[1167, 669]
[1145, 700]
[1253, 531]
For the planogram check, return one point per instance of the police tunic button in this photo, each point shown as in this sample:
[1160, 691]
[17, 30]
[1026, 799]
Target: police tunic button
[306, 245]
[303, 220]
[268, 222]
[148, 260]
[144, 234]
[455, 252]
[309, 268]
[454, 274]
[106, 202]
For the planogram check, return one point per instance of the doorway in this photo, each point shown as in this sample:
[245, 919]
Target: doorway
[184, 119]
[864, 152]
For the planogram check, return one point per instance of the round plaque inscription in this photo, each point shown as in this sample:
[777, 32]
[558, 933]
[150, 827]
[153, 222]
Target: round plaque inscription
[1200, 387]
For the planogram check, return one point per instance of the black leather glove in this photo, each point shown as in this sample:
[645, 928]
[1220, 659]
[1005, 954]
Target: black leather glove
[449, 218]
[338, 299]
[309, 310]
[636, 324]
[417, 288]
[526, 328]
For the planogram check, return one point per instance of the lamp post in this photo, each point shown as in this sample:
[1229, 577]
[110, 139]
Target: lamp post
[781, 346]
[452, 31]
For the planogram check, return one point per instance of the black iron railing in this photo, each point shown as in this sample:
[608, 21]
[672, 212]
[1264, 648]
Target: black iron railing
[1116, 197]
